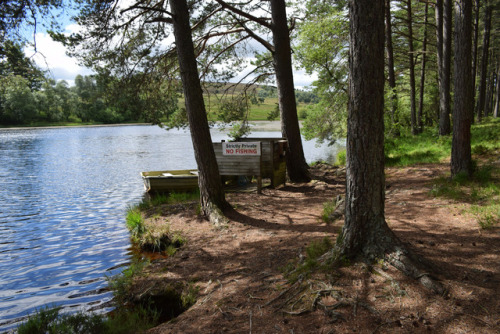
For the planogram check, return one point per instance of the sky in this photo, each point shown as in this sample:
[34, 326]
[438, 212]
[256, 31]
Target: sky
[51, 56]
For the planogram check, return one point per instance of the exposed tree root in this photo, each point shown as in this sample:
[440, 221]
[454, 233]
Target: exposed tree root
[402, 259]
[215, 215]
[382, 243]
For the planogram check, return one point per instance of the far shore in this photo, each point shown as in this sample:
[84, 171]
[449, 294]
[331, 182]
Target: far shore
[256, 126]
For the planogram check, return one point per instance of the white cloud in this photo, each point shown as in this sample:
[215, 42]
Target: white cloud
[51, 56]
[302, 80]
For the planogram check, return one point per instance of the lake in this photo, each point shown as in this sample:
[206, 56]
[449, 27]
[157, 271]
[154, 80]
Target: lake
[63, 197]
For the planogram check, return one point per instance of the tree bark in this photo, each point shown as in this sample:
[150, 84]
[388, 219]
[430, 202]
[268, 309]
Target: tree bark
[365, 234]
[443, 34]
[211, 192]
[488, 107]
[477, 6]
[390, 69]
[497, 94]
[461, 161]
[484, 62]
[364, 218]
[411, 62]
[298, 170]
[420, 123]
[282, 57]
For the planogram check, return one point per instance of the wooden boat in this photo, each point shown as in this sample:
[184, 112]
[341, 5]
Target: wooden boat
[171, 180]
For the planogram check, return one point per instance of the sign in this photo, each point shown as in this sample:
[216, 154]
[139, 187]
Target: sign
[241, 148]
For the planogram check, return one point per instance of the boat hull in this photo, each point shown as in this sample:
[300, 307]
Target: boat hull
[171, 180]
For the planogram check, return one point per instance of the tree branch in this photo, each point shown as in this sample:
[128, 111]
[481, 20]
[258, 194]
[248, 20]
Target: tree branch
[261, 21]
[205, 70]
[259, 39]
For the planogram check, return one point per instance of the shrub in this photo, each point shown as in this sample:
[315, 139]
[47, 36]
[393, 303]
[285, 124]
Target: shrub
[341, 158]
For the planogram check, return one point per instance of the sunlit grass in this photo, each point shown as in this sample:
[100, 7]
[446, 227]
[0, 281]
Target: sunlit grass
[429, 147]
[482, 192]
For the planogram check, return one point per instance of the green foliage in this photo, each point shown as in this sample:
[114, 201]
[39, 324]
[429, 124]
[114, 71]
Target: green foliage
[407, 149]
[325, 122]
[328, 209]
[153, 234]
[17, 102]
[50, 321]
[122, 321]
[135, 223]
[306, 96]
[121, 284]
[183, 197]
[13, 61]
[233, 109]
[341, 158]
[274, 113]
[429, 147]
[323, 48]
[239, 130]
[159, 199]
[484, 136]
[189, 295]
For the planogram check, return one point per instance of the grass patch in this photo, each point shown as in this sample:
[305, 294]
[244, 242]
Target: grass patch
[482, 192]
[159, 199]
[121, 284]
[407, 150]
[153, 234]
[135, 222]
[135, 312]
[123, 322]
[149, 231]
[328, 210]
[50, 321]
[333, 210]
[429, 147]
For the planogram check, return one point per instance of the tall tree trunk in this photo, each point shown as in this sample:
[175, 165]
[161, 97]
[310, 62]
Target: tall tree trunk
[390, 68]
[461, 161]
[443, 34]
[484, 62]
[282, 57]
[420, 123]
[298, 170]
[364, 219]
[365, 234]
[488, 108]
[211, 191]
[411, 62]
[497, 94]
[477, 6]
[438, 10]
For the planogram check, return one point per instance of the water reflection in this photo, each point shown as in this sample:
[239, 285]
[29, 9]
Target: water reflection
[63, 197]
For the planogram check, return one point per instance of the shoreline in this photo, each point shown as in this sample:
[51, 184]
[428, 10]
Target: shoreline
[255, 125]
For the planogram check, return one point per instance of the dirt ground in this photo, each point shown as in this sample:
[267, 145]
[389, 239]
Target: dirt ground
[242, 289]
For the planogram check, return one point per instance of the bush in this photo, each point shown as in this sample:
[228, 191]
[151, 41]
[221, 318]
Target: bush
[341, 158]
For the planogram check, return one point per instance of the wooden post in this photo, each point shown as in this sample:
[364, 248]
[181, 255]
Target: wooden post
[259, 177]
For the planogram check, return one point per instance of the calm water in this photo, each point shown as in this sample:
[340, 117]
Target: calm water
[63, 197]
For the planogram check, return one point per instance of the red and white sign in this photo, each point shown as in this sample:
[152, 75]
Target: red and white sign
[241, 148]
